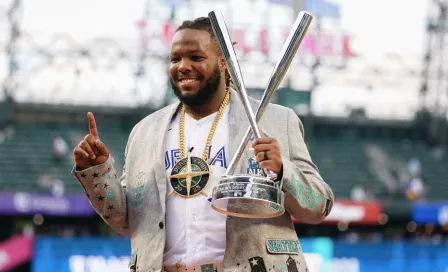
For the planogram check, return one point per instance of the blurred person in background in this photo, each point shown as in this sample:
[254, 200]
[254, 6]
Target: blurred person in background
[176, 230]
[51, 183]
[362, 192]
[414, 167]
[415, 188]
[60, 148]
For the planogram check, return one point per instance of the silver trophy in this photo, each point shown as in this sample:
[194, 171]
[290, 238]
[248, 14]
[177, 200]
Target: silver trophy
[245, 195]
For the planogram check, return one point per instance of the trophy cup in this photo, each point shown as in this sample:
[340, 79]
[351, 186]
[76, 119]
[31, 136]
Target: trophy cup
[250, 196]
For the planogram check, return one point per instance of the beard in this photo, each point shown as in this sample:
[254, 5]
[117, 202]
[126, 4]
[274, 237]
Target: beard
[204, 94]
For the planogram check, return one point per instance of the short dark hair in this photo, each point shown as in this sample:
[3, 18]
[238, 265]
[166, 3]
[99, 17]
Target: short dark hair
[203, 23]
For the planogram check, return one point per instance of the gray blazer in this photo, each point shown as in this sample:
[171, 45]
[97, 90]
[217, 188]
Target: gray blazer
[134, 204]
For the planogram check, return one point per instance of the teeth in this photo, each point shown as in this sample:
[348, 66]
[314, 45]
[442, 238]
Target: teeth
[188, 80]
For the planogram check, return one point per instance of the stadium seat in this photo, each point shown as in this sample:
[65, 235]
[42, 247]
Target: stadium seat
[27, 155]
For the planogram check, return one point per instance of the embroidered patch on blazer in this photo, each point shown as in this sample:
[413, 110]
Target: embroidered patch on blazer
[306, 196]
[281, 246]
[257, 264]
[138, 190]
[207, 268]
[291, 265]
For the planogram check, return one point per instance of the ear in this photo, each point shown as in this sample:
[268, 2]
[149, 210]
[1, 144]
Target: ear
[222, 63]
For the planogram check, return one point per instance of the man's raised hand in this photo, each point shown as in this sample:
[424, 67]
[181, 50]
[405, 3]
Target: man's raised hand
[90, 151]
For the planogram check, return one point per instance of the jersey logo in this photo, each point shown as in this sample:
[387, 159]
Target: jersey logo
[172, 156]
[253, 168]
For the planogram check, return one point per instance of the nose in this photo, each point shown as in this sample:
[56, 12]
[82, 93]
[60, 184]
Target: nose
[184, 66]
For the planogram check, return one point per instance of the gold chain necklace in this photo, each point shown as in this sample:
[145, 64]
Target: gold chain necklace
[190, 175]
[205, 154]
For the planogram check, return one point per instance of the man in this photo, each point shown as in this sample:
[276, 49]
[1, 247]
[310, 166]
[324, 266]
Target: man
[170, 221]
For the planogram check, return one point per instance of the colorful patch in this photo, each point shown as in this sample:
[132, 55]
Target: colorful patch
[280, 246]
[137, 192]
[253, 168]
[304, 194]
[257, 264]
[291, 265]
[110, 195]
[207, 268]
[189, 179]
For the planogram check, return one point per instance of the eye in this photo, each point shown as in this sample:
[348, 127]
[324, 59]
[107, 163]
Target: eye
[174, 60]
[197, 58]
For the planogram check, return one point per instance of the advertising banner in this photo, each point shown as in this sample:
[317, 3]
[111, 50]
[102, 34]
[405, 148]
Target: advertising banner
[322, 44]
[430, 213]
[322, 255]
[45, 204]
[15, 251]
[81, 255]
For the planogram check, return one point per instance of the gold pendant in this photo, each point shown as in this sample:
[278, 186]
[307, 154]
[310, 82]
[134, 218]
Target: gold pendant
[189, 177]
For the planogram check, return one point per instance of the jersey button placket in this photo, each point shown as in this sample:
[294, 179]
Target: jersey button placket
[191, 226]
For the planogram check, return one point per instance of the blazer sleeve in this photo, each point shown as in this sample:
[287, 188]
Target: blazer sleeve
[307, 197]
[107, 192]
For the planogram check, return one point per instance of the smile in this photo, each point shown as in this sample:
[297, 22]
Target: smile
[187, 80]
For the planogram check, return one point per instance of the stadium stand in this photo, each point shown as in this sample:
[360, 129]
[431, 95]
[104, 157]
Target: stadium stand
[345, 154]
[343, 163]
[434, 170]
[27, 154]
[348, 155]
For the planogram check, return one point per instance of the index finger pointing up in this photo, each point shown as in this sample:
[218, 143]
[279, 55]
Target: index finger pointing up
[92, 125]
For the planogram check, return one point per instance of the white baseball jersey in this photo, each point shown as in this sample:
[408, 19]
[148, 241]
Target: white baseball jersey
[195, 233]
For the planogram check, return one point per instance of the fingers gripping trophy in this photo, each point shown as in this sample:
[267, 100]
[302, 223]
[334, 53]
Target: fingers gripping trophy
[249, 196]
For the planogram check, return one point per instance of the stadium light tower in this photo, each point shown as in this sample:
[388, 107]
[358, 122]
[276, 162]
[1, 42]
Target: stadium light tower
[13, 15]
[434, 88]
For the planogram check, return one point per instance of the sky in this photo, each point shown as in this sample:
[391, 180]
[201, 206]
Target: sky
[386, 26]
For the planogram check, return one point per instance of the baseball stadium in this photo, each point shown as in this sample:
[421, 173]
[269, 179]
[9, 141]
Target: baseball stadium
[367, 82]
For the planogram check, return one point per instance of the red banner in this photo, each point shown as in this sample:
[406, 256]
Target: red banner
[324, 44]
[353, 212]
[15, 251]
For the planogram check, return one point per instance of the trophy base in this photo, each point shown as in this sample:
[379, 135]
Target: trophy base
[248, 197]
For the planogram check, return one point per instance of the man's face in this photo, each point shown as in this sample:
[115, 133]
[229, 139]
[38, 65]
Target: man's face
[195, 72]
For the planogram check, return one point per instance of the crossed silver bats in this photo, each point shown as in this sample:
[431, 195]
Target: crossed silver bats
[289, 50]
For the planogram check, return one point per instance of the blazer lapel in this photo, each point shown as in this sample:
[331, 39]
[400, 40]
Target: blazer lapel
[159, 150]
[238, 125]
